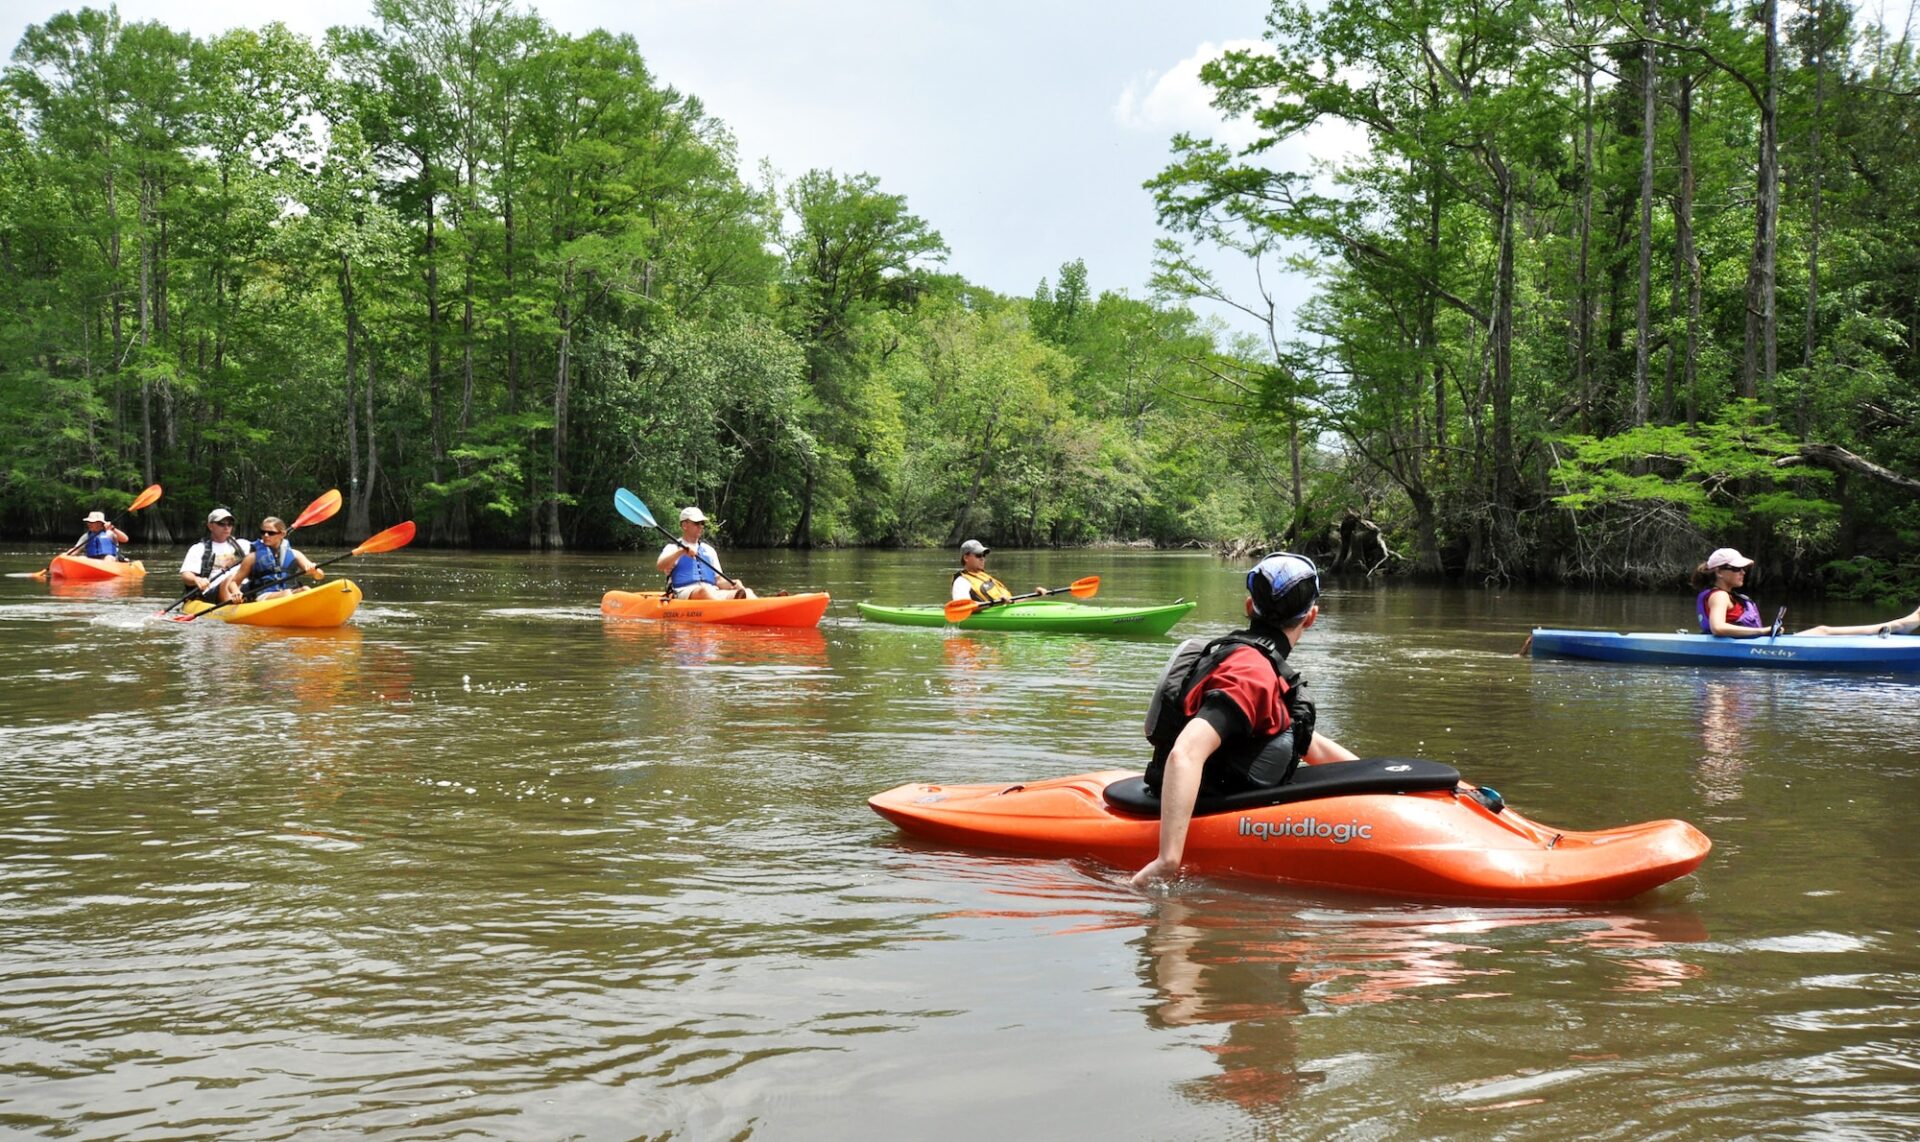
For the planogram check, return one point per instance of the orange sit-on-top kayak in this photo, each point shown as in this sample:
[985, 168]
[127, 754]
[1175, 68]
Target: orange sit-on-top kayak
[1390, 826]
[769, 611]
[93, 570]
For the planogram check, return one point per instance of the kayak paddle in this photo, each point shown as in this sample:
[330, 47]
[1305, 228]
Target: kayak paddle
[325, 507]
[959, 610]
[397, 536]
[635, 511]
[145, 499]
[1779, 623]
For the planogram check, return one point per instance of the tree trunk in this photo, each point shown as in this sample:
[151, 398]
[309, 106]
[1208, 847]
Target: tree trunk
[553, 540]
[1760, 358]
[1684, 252]
[359, 524]
[1643, 301]
[1804, 411]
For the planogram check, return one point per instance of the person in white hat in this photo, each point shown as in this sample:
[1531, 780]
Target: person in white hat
[692, 566]
[102, 540]
[206, 560]
[1725, 609]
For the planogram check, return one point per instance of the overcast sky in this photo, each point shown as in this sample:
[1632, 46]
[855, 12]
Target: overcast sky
[1020, 130]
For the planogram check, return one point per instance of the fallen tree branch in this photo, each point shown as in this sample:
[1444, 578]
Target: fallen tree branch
[1840, 460]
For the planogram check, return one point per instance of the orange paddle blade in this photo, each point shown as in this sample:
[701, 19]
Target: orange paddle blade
[145, 499]
[959, 609]
[1085, 588]
[320, 510]
[399, 535]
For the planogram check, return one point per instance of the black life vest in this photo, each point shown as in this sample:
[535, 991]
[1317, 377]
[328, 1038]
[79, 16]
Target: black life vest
[206, 555]
[1250, 764]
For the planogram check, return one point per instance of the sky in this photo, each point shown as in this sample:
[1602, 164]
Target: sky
[1021, 131]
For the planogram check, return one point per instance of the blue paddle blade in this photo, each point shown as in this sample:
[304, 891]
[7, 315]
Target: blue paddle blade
[631, 506]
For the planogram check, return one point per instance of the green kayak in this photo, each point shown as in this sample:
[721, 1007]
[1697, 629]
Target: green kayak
[1057, 615]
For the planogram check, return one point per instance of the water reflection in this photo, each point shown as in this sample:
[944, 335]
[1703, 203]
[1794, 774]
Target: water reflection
[1725, 708]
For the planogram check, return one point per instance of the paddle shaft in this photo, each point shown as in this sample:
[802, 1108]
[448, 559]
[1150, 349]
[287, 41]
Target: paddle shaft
[695, 552]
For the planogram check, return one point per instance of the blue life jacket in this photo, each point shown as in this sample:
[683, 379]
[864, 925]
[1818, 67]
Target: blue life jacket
[689, 570]
[270, 572]
[100, 544]
[1741, 611]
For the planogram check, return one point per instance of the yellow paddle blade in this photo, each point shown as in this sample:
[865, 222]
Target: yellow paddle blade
[320, 510]
[399, 535]
[145, 499]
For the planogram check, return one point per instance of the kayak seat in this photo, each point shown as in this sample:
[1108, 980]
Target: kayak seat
[1307, 783]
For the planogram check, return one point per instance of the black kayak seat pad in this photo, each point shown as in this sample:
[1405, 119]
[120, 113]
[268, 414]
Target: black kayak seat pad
[1307, 783]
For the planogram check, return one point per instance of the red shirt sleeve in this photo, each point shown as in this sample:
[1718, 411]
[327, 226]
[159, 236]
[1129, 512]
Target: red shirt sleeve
[1247, 679]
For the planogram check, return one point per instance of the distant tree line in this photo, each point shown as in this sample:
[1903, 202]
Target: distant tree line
[1609, 286]
[478, 272]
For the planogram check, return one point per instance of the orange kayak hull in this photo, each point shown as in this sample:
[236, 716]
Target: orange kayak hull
[83, 569]
[770, 611]
[328, 604]
[1422, 845]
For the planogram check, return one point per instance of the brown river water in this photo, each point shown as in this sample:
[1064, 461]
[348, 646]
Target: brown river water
[482, 864]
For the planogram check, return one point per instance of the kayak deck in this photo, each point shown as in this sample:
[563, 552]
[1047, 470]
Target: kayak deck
[1060, 616]
[770, 611]
[1787, 651]
[1347, 834]
[326, 605]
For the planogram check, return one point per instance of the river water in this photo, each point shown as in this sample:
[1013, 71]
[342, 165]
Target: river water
[482, 864]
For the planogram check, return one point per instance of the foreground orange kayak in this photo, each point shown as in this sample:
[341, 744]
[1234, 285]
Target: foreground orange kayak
[1388, 826]
[326, 605]
[93, 570]
[769, 611]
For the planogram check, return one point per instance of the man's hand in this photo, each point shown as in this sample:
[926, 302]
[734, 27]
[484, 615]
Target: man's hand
[1161, 871]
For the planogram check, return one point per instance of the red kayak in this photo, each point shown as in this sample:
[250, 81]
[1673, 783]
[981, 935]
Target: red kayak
[85, 569]
[1388, 826]
[768, 611]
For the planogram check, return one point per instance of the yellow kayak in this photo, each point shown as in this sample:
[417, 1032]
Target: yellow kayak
[327, 605]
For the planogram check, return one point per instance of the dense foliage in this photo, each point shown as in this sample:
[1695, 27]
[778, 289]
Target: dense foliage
[1606, 287]
[481, 273]
[1606, 282]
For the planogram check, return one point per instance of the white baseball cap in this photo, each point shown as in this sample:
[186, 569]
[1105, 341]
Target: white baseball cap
[694, 514]
[1727, 557]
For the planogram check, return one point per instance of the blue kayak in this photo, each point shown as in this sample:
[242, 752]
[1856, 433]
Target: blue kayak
[1839, 652]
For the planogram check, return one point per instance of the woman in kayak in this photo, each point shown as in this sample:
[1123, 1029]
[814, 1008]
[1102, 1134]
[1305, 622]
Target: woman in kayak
[692, 566]
[272, 564]
[1241, 698]
[1725, 611]
[973, 581]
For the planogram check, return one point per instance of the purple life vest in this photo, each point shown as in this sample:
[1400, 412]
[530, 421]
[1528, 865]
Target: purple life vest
[1741, 611]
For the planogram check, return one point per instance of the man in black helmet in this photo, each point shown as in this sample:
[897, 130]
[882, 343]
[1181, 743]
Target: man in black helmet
[1237, 702]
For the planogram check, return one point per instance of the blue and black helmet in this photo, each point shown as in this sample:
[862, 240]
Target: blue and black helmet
[1283, 586]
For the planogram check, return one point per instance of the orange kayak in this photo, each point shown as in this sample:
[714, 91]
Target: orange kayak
[769, 611]
[94, 570]
[1387, 826]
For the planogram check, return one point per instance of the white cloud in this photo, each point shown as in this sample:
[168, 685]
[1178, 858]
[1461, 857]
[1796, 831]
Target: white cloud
[1177, 100]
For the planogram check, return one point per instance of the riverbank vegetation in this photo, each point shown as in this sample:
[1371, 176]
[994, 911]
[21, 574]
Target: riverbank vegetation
[1606, 287]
